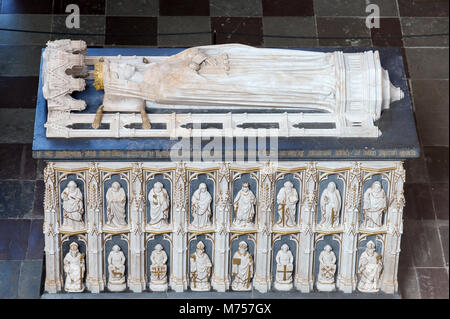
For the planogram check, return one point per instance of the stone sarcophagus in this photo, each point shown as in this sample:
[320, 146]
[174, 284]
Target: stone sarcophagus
[295, 225]
[219, 199]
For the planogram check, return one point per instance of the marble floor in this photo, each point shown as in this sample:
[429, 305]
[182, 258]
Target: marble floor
[424, 266]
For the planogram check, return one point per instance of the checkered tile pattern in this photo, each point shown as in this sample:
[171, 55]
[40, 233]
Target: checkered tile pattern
[264, 23]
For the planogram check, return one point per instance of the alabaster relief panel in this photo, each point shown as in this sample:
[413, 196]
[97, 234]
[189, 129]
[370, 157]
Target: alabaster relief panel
[73, 262]
[115, 201]
[327, 251]
[116, 259]
[370, 262]
[201, 201]
[159, 200]
[374, 201]
[288, 199]
[331, 197]
[200, 261]
[242, 261]
[245, 200]
[284, 257]
[72, 201]
[158, 261]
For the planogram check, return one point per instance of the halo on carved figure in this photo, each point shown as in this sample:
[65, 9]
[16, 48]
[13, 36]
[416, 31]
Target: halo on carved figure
[159, 205]
[330, 202]
[201, 267]
[115, 202]
[327, 252]
[72, 203]
[370, 263]
[73, 263]
[375, 201]
[244, 201]
[284, 262]
[287, 201]
[116, 266]
[242, 262]
[201, 203]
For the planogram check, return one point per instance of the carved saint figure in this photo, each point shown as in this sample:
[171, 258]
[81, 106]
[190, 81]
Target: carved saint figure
[327, 269]
[287, 199]
[116, 269]
[285, 268]
[200, 270]
[115, 205]
[159, 206]
[374, 205]
[158, 269]
[201, 207]
[242, 268]
[369, 269]
[330, 206]
[72, 206]
[244, 206]
[74, 269]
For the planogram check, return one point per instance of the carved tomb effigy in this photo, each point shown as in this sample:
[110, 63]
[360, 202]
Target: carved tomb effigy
[222, 168]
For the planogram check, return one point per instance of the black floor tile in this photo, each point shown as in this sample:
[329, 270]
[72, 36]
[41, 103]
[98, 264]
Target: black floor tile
[416, 170]
[14, 239]
[355, 8]
[16, 199]
[426, 245]
[388, 34]
[27, 6]
[408, 283]
[38, 201]
[410, 8]
[92, 29]
[439, 192]
[419, 203]
[443, 231]
[437, 163]
[341, 31]
[35, 249]
[235, 8]
[238, 30]
[96, 7]
[10, 270]
[433, 283]
[288, 8]
[184, 7]
[16, 162]
[144, 8]
[18, 92]
[131, 30]
[427, 63]
[425, 25]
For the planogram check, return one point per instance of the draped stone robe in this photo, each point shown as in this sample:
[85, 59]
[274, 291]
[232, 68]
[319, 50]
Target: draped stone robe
[374, 205]
[242, 267]
[229, 74]
[73, 208]
[116, 201]
[200, 267]
[245, 207]
[201, 208]
[74, 268]
[159, 207]
[287, 201]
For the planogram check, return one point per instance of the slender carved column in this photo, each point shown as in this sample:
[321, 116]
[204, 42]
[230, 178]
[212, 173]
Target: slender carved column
[220, 278]
[53, 279]
[304, 279]
[137, 280]
[178, 277]
[346, 280]
[394, 222]
[94, 282]
[263, 277]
